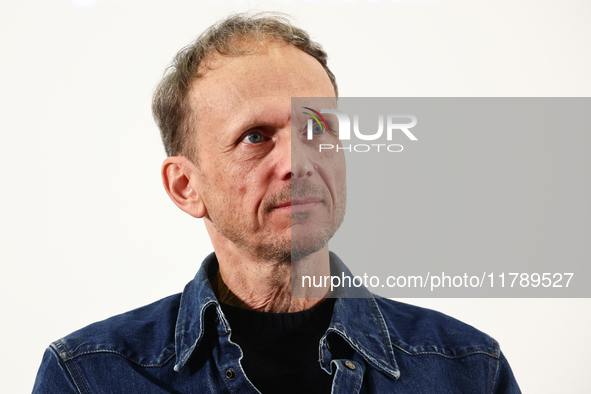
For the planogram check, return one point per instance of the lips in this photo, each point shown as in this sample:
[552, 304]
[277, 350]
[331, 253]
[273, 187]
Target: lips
[299, 201]
[307, 200]
[296, 196]
[283, 205]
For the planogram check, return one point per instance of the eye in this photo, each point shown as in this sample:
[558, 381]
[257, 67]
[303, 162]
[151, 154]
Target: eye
[253, 138]
[317, 129]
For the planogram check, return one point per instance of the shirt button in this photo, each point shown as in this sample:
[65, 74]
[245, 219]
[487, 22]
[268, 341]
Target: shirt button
[230, 374]
[349, 364]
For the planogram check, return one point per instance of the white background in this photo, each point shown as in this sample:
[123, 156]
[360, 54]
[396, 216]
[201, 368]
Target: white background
[86, 229]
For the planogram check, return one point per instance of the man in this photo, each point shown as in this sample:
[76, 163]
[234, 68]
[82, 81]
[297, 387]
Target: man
[238, 158]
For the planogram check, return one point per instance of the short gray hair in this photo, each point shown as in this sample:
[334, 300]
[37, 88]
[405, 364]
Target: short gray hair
[170, 104]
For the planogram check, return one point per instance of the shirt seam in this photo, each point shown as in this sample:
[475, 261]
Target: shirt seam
[494, 375]
[447, 355]
[384, 331]
[72, 357]
[67, 363]
[183, 307]
[338, 383]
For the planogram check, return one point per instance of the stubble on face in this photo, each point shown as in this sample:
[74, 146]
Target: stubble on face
[281, 248]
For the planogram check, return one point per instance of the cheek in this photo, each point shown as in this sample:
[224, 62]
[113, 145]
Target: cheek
[240, 185]
[333, 162]
[233, 176]
[335, 174]
[248, 182]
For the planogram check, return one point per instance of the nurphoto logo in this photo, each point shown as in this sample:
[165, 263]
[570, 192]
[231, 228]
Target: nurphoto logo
[317, 125]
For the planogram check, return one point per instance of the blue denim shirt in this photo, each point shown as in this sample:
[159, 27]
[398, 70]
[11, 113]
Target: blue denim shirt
[171, 346]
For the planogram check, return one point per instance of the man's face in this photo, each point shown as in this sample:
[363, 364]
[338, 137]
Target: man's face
[266, 188]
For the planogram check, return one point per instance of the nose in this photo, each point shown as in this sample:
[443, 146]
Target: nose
[301, 164]
[295, 159]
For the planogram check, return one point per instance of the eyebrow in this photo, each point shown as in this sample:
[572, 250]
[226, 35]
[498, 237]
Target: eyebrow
[263, 117]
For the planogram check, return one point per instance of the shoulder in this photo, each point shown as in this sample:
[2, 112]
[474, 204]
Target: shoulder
[416, 330]
[127, 335]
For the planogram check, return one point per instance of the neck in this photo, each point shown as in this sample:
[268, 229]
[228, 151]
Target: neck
[266, 286]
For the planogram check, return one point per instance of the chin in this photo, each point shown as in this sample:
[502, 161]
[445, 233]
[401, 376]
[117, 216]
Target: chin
[302, 248]
[287, 252]
[279, 251]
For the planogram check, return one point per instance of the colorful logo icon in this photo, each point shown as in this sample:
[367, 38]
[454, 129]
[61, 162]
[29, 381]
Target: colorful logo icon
[315, 117]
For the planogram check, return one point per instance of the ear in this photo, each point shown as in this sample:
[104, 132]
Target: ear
[180, 178]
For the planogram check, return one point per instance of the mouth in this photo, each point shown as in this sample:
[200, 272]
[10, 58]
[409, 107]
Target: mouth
[299, 205]
[304, 201]
[298, 197]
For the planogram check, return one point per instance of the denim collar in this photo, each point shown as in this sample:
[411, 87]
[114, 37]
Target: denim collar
[358, 321]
